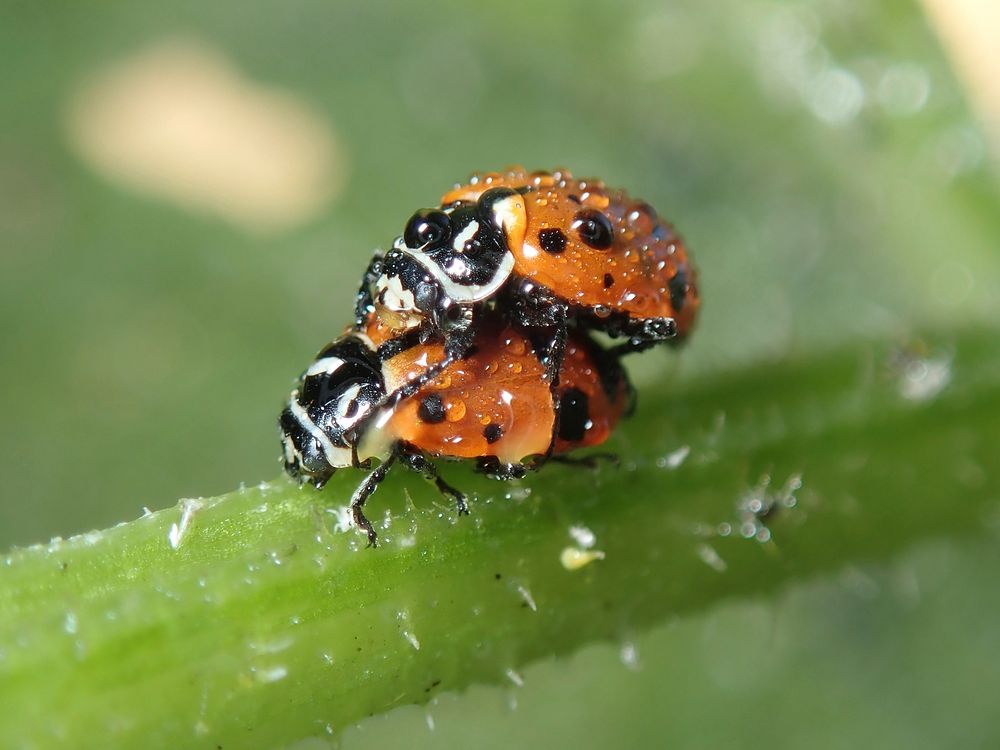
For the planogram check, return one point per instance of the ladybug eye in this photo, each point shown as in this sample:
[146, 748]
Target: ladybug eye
[427, 227]
[594, 228]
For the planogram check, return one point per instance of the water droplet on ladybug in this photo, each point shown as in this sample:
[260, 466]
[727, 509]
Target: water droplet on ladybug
[516, 346]
[454, 409]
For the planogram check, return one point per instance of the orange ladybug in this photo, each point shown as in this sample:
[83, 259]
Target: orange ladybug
[493, 406]
[550, 252]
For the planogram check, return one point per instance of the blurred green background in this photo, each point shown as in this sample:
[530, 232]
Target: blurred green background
[188, 197]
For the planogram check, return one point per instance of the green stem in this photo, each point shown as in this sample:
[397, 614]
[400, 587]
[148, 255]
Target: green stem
[250, 620]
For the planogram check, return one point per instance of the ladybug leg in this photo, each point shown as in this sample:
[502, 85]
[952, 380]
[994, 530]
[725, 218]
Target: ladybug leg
[551, 349]
[364, 303]
[491, 467]
[384, 409]
[454, 348]
[363, 492]
[399, 344]
[418, 462]
[543, 316]
[356, 462]
[555, 356]
[643, 334]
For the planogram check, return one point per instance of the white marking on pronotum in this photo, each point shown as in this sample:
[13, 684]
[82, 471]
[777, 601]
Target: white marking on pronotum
[344, 404]
[177, 531]
[457, 267]
[392, 294]
[330, 451]
[457, 291]
[325, 366]
[292, 455]
[507, 212]
[515, 678]
[464, 236]
[363, 338]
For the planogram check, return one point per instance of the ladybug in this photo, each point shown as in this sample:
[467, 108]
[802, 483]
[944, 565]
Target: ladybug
[493, 406]
[551, 251]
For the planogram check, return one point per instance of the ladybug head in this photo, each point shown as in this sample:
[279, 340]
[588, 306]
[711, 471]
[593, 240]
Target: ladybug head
[339, 388]
[450, 258]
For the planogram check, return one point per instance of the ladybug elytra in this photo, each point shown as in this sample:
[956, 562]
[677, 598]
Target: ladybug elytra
[551, 250]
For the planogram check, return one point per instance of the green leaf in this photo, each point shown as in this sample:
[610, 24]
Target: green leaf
[252, 615]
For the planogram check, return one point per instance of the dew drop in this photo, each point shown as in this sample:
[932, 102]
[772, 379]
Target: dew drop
[711, 558]
[629, 656]
[583, 536]
[454, 410]
[674, 459]
[516, 346]
[528, 599]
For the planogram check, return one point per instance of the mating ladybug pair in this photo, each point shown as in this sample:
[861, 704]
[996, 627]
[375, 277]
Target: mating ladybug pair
[472, 335]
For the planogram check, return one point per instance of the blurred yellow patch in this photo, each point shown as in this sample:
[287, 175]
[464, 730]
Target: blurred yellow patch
[179, 122]
[969, 29]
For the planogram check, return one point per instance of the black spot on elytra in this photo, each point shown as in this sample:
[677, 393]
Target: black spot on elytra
[552, 240]
[431, 409]
[609, 281]
[574, 415]
[678, 289]
[497, 576]
[594, 228]
[492, 433]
